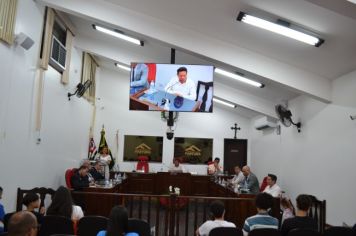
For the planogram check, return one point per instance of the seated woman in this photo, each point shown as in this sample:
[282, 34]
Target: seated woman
[62, 205]
[118, 223]
[32, 201]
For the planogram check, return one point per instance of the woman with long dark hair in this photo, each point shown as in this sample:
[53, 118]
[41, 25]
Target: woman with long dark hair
[62, 205]
[118, 223]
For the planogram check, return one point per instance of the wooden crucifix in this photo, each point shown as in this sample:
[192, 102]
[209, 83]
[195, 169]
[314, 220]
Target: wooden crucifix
[235, 128]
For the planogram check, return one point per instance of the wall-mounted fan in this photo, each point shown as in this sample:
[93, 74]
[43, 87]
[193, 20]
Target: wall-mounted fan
[81, 88]
[285, 116]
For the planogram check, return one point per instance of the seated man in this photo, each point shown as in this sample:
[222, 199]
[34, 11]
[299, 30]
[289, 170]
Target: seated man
[264, 201]
[79, 179]
[22, 223]
[272, 188]
[301, 219]
[32, 202]
[215, 168]
[96, 170]
[176, 167]
[217, 210]
[250, 182]
[238, 177]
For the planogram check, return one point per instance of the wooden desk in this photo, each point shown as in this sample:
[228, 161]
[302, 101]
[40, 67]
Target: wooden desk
[238, 206]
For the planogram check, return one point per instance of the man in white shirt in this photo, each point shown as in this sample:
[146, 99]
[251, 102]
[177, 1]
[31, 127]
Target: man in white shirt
[272, 188]
[176, 167]
[217, 210]
[238, 177]
[181, 85]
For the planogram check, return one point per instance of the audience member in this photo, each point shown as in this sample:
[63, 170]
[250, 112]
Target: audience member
[250, 182]
[176, 167]
[2, 213]
[215, 168]
[22, 223]
[264, 201]
[287, 208]
[32, 201]
[217, 210]
[272, 188]
[301, 220]
[118, 223]
[80, 179]
[238, 177]
[62, 205]
[96, 170]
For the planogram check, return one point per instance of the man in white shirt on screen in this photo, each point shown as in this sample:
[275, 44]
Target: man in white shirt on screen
[181, 85]
[272, 188]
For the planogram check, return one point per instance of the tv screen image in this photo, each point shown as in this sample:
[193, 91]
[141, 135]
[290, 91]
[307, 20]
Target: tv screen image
[193, 150]
[149, 146]
[171, 87]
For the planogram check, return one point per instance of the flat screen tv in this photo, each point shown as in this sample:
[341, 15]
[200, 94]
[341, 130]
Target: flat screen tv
[193, 150]
[171, 87]
[149, 146]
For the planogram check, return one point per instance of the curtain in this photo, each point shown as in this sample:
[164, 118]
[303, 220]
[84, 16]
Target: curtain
[88, 73]
[7, 20]
[47, 38]
[69, 40]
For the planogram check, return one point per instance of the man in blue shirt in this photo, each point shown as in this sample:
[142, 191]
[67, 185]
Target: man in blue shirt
[139, 77]
[2, 214]
[264, 201]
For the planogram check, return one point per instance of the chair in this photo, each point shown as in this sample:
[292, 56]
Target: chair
[68, 176]
[142, 163]
[226, 231]
[91, 225]
[318, 212]
[6, 220]
[55, 225]
[303, 232]
[263, 184]
[205, 96]
[41, 191]
[265, 232]
[338, 230]
[139, 226]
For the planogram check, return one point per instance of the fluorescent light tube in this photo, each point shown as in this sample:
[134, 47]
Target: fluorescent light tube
[238, 77]
[352, 1]
[118, 35]
[279, 29]
[226, 103]
[127, 68]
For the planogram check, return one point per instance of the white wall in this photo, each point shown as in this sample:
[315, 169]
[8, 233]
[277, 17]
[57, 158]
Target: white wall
[65, 125]
[113, 112]
[321, 159]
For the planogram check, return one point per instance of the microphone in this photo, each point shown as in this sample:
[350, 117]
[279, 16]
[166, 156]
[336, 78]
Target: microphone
[166, 101]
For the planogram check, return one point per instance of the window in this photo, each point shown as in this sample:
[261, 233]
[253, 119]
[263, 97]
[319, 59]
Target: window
[7, 20]
[89, 67]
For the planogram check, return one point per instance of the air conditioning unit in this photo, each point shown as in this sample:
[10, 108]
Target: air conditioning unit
[58, 55]
[265, 123]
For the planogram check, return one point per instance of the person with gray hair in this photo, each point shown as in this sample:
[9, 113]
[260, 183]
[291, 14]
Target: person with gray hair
[22, 223]
[251, 181]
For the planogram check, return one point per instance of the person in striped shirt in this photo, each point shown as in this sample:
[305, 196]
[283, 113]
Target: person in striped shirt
[264, 201]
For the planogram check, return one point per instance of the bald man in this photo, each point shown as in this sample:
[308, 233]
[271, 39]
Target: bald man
[22, 223]
[251, 181]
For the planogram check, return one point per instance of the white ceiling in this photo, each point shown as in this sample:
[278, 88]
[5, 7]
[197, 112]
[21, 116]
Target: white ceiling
[265, 54]
[218, 19]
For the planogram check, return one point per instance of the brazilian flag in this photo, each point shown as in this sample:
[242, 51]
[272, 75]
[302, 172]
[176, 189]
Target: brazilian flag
[103, 144]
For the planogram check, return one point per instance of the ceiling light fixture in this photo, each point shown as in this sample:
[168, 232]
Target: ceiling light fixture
[282, 28]
[124, 67]
[238, 77]
[118, 34]
[224, 102]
